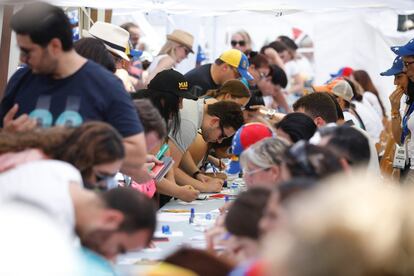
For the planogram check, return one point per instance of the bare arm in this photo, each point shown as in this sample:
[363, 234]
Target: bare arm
[167, 186]
[279, 97]
[135, 157]
[187, 164]
[297, 85]
[183, 178]
[395, 99]
[274, 57]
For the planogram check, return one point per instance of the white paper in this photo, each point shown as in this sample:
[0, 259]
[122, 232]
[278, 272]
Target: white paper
[159, 234]
[170, 217]
[189, 203]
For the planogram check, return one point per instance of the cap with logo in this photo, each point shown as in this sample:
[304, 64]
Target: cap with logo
[115, 38]
[406, 50]
[171, 81]
[339, 88]
[397, 68]
[238, 60]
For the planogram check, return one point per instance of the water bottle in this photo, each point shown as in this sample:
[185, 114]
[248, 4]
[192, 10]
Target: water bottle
[166, 229]
[234, 188]
[192, 215]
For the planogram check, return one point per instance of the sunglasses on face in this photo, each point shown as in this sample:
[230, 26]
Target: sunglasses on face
[242, 43]
[408, 63]
[186, 50]
[262, 75]
[104, 182]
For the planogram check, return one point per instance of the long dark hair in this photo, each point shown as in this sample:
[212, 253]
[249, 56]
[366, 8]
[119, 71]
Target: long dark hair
[410, 92]
[167, 104]
[362, 77]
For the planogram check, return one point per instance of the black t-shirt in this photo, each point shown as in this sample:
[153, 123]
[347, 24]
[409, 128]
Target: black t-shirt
[92, 93]
[201, 77]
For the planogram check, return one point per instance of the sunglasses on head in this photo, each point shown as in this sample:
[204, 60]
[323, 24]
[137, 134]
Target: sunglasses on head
[242, 43]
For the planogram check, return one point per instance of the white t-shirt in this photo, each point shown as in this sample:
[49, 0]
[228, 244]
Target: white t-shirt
[372, 100]
[45, 184]
[348, 116]
[410, 140]
[372, 122]
[191, 118]
[305, 68]
[268, 101]
[291, 70]
[155, 62]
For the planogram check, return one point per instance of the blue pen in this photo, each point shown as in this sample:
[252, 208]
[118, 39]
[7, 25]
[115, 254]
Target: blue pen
[214, 169]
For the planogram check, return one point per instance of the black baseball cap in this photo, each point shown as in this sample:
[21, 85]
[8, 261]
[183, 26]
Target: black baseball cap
[174, 82]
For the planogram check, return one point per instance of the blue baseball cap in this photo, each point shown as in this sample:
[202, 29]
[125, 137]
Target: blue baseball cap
[406, 50]
[238, 60]
[397, 68]
[135, 53]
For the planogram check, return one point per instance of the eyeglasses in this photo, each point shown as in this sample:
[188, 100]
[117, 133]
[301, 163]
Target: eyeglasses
[408, 63]
[252, 172]
[263, 75]
[104, 182]
[223, 134]
[242, 43]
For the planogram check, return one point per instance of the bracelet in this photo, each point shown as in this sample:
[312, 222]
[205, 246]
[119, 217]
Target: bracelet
[395, 115]
[195, 174]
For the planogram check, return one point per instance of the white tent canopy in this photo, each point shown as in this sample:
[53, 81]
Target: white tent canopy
[355, 33]
[345, 33]
[219, 6]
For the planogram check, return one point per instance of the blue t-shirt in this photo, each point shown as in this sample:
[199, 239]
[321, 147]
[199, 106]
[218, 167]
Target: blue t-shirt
[92, 93]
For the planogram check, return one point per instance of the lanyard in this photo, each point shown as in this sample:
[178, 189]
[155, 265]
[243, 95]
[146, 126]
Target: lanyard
[405, 129]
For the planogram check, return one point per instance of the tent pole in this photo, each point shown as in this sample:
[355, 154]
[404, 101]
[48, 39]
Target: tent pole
[5, 48]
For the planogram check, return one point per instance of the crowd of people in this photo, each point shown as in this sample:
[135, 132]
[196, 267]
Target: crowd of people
[84, 125]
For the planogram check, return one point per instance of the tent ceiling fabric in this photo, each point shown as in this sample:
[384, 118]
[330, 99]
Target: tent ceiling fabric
[211, 7]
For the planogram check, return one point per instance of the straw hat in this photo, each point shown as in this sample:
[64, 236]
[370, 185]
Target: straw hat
[182, 38]
[114, 37]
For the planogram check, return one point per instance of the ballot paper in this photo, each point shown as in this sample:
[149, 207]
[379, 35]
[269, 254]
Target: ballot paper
[172, 217]
[159, 234]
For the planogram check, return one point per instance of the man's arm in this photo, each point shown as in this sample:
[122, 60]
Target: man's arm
[135, 157]
[187, 164]
[167, 186]
[182, 178]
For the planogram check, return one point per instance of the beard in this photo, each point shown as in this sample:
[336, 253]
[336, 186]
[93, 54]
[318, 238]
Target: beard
[96, 240]
[207, 135]
[48, 65]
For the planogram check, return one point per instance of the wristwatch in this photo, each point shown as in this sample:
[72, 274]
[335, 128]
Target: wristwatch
[195, 174]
